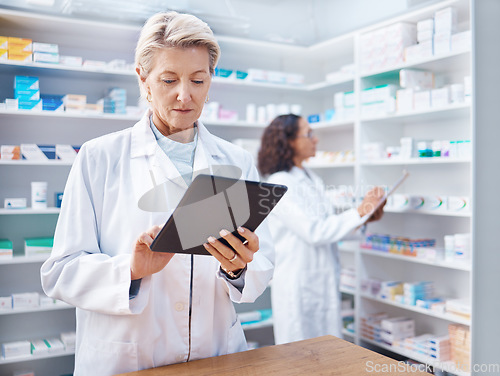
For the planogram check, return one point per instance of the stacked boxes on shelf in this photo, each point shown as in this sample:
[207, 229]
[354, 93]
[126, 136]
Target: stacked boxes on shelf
[27, 93]
[460, 341]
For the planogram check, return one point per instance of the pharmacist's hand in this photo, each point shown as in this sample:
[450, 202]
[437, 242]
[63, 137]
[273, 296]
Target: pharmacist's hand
[370, 201]
[236, 258]
[144, 261]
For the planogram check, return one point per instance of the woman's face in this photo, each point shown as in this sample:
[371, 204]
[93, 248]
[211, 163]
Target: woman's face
[177, 86]
[304, 145]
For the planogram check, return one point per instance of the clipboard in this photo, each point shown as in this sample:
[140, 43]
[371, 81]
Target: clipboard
[212, 203]
[387, 194]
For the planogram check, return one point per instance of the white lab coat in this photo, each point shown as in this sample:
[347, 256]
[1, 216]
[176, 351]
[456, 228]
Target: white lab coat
[305, 288]
[90, 262]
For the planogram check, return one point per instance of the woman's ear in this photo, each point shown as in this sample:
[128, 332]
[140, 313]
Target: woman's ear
[141, 76]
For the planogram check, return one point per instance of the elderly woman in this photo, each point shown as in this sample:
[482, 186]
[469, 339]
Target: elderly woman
[135, 308]
[305, 292]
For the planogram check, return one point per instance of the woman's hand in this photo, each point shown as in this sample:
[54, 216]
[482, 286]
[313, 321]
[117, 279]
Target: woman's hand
[370, 201]
[236, 258]
[144, 261]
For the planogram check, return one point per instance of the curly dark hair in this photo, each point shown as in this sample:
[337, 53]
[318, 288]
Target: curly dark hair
[276, 153]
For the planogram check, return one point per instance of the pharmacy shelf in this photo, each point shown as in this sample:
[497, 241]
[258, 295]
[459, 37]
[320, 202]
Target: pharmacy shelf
[103, 71]
[24, 162]
[346, 290]
[415, 161]
[428, 212]
[29, 211]
[436, 63]
[54, 354]
[447, 366]
[69, 115]
[97, 71]
[55, 307]
[330, 165]
[338, 84]
[340, 125]
[345, 332]
[421, 116]
[417, 260]
[253, 84]
[427, 312]
[258, 325]
[24, 260]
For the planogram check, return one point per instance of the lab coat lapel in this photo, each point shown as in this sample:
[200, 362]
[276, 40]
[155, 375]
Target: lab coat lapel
[207, 152]
[155, 176]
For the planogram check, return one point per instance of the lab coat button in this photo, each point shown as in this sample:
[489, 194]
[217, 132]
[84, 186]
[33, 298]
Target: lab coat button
[179, 306]
[180, 357]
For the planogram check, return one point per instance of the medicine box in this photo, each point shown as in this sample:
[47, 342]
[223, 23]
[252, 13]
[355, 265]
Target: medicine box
[10, 152]
[32, 105]
[6, 249]
[25, 300]
[24, 95]
[45, 47]
[20, 44]
[26, 83]
[398, 324]
[45, 57]
[32, 152]
[15, 203]
[16, 349]
[5, 303]
[416, 79]
[54, 345]
[4, 54]
[38, 246]
[39, 347]
[20, 56]
[73, 61]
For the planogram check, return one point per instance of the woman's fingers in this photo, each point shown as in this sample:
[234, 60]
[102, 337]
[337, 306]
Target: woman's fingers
[238, 253]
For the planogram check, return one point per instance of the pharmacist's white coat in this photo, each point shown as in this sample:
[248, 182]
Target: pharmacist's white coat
[90, 263]
[305, 288]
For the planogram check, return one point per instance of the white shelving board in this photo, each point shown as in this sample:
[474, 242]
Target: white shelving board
[443, 316]
[55, 354]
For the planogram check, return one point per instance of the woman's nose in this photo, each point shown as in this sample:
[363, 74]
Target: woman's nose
[184, 95]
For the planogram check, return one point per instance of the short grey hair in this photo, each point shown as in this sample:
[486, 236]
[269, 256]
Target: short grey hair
[172, 29]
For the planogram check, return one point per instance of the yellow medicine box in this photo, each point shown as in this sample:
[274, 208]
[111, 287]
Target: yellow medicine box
[3, 54]
[4, 44]
[20, 56]
[20, 44]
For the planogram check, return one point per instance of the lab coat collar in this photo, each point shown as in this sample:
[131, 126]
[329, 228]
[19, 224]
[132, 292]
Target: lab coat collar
[144, 144]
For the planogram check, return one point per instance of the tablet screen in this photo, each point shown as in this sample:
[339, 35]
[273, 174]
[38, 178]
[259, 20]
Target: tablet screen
[213, 203]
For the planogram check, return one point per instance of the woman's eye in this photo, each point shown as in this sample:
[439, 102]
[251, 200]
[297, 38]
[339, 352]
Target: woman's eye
[198, 82]
[169, 81]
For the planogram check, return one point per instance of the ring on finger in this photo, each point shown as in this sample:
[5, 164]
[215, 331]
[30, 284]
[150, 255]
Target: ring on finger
[234, 257]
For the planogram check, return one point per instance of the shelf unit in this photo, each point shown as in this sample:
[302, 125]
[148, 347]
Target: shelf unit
[315, 96]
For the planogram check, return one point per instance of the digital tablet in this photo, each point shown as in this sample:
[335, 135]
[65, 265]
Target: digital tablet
[388, 193]
[212, 203]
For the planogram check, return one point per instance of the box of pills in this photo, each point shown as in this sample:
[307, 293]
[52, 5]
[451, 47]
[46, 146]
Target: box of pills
[26, 83]
[45, 57]
[25, 300]
[5, 302]
[16, 349]
[45, 47]
[15, 203]
[20, 44]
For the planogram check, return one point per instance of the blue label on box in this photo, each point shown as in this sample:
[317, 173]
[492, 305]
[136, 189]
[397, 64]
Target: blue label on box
[58, 196]
[313, 118]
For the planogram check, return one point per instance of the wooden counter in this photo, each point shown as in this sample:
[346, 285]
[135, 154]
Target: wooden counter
[326, 355]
